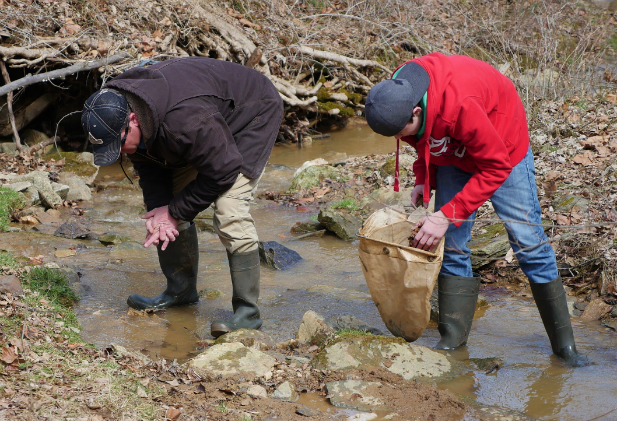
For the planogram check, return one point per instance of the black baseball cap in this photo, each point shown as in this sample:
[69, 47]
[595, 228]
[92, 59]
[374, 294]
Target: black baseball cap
[390, 103]
[104, 115]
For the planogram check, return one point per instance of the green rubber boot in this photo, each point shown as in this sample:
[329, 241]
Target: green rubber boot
[244, 268]
[458, 296]
[553, 307]
[179, 263]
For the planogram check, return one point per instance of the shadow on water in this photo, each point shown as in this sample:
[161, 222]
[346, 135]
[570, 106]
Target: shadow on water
[328, 280]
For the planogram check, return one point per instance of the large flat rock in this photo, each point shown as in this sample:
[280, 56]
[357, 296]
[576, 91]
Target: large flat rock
[232, 358]
[408, 360]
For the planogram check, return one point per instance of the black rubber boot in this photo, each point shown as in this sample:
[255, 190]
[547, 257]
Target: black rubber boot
[458, 296]
[179, 263]
[244, 268]
[553, 307]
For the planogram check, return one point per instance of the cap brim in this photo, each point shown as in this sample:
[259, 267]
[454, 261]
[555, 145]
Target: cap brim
[106, 154]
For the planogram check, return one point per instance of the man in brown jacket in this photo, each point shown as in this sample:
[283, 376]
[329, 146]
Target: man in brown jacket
[199, 132]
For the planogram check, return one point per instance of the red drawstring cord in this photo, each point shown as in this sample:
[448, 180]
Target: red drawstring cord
[396, 169]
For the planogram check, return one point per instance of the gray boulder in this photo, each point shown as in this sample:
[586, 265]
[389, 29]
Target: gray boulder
[285, 392]
[345, 225]
[21, 186]
[61, 190]
[408, 360]
[78, 189]
[231, 359]
[40, 180]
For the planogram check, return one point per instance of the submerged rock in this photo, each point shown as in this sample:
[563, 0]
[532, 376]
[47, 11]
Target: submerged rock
[306, 227]
[362, 352]
[72, 228]
[79, 164]
[250, 338]
[113, 239]
[344, 225]
[210, 293]
[230, 359]
[277, 256]
[356, 394]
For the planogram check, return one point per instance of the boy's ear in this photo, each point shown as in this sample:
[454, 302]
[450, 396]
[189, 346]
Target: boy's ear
[417, 111]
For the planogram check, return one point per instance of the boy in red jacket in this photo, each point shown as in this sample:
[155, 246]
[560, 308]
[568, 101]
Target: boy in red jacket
[468, 125]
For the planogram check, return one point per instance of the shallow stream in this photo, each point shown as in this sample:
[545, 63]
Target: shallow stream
[329, 281]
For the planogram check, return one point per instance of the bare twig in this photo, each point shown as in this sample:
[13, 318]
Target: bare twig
[9, 103]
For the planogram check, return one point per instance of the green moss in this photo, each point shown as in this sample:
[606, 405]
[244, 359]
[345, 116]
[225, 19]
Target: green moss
[73, 164]
[327, 106]
[349, 204]
[9, 201]
[52, 284]
[323, 94]
[353, 97]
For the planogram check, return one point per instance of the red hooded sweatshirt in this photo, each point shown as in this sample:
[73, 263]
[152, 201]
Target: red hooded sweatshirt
[476, 121]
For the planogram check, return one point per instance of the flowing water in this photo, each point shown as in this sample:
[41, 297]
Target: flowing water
[329, 281]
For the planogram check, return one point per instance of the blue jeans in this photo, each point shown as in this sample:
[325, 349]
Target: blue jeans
[516, 200]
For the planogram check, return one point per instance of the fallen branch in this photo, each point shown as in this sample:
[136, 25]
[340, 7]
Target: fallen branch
[40, 145]
[338, 58]
[79, 67]
[9, 103]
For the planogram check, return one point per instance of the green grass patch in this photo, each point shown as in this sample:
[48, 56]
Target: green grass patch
[52, 285]
[9, 201]
[353, 332]
[349, 204]
[7, 260]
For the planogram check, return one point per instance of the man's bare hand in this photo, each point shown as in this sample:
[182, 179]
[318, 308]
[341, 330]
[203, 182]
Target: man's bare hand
[417, 193]
[161, 227]
[434, 227]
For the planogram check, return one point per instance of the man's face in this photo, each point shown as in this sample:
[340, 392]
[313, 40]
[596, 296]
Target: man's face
[134, 136]
[412, 127]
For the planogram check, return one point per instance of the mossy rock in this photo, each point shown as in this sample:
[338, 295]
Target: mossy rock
[313, 176]
[389, 168]
[76, 163]
[113, 239]
[567, 202]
